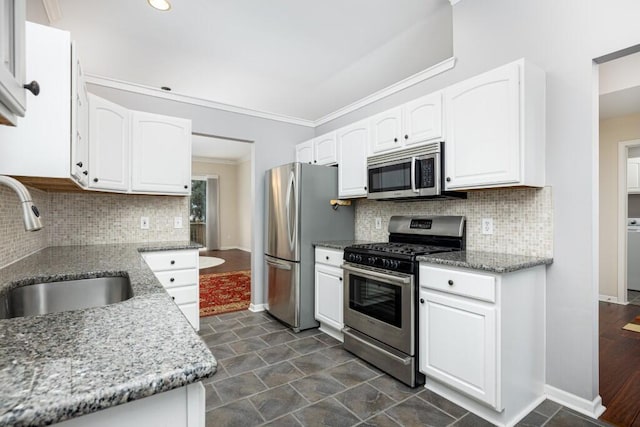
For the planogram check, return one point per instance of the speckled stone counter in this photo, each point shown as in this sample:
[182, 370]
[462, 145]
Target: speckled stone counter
[486, 261]
[338, 244]
[58, 366]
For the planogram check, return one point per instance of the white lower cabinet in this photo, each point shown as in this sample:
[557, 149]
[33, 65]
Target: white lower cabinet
[181, 407]
[177, 271]
[329, 291]
[481, 339]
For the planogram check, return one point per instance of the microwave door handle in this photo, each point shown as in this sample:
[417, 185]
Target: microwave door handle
[413, 174]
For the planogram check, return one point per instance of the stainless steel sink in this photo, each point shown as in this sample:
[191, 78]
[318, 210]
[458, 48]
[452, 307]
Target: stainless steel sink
[52, 297]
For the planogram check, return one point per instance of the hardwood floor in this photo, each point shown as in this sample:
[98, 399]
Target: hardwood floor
[619, 365]
[235, 260]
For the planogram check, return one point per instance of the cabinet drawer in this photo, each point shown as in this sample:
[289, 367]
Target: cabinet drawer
[472, 285]
[172, 279]
[329, 256]
[171, 260]
[184, 294]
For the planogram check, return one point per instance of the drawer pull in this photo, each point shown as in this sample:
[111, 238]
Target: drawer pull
[172, 280]
[340, 279]
[173, 298]
[450, 282]
[172, 262]
[327, 257]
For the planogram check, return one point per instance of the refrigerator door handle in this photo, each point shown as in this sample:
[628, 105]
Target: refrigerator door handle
[278, 265]
[292, 228]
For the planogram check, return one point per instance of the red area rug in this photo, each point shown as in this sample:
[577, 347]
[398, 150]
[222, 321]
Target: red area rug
[224, 292]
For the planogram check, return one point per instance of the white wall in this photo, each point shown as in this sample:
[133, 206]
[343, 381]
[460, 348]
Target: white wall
[244, 206]
[562, 37]
[273, 140]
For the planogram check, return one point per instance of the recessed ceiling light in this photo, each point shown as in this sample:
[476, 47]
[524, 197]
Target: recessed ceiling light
[163, 5]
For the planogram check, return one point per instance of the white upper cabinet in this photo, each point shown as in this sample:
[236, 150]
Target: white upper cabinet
[415, 122]
[495, 129]
[325, 149]
[633, 175]
[12, 61]
[79, 125]
[108, 145]
[352, 160]
[304, 152]
[161, 154]
[40, 145]
[322, 150]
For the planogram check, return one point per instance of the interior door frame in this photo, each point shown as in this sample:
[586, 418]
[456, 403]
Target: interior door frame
[623, 154]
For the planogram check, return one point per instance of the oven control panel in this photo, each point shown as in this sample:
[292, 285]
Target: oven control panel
[380, 262]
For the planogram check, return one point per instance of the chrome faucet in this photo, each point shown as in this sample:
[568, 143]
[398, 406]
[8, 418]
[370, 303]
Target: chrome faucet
[30, 213]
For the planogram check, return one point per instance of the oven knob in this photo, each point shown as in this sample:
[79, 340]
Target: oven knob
[358, 258]
[385, 263]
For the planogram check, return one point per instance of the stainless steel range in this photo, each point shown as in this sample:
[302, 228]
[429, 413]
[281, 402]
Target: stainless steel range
[380, 293]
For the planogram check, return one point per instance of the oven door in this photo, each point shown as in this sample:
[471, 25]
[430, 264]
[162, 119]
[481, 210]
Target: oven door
[380, 304]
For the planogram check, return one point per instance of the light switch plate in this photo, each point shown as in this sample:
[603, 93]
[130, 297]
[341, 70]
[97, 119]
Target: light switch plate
[378, 223]
[487, 225]
[177, 222]
[144, 222]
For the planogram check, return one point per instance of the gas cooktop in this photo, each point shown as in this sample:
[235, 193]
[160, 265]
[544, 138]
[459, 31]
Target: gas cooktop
[390, 248]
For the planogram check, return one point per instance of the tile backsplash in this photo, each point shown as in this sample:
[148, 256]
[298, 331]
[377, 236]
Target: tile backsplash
[522, 219]
[88, 218]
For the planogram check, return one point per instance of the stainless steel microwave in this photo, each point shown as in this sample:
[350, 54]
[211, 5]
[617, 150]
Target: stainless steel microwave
[410, 173]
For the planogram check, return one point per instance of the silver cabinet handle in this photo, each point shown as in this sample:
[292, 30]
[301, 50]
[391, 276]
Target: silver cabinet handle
[278, 265]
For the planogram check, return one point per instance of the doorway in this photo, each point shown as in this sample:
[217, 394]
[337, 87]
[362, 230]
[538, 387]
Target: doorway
[619, 134]
[204, 224]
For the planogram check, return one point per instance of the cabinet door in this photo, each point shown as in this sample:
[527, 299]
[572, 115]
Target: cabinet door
[352, 160]
[458, 345]
[325, 149]
[633, 175]
[12, 61]
[386, 129]
[161, 148]
[80, 126]
[108, 145]
[329, 296]
[304, 152]
[423, 119]
[483, 145]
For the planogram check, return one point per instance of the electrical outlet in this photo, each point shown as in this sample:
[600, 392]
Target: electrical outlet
[177, 222]
[144, 222]
[378, 223]
[487, 225]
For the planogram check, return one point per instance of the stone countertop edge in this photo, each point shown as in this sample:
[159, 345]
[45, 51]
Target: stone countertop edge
[486, 261]
[59, 366]
[337, 244]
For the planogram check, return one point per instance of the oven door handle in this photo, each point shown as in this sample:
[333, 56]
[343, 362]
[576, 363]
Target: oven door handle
[413, 174]
[404, 360]
[400, 280]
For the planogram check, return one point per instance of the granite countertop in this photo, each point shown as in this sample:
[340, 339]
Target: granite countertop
[338, 244]
[59, 366]
[487, 261]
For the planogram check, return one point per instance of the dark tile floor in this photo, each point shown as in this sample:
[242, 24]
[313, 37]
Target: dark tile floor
[270, 376]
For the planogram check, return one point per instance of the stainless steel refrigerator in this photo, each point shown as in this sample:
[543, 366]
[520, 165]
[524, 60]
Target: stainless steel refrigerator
[298, 212]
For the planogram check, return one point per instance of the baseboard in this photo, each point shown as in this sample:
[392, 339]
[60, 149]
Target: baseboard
[612, 299]
[256, 308]
[579, 404]
[226, 248]
[244, 249]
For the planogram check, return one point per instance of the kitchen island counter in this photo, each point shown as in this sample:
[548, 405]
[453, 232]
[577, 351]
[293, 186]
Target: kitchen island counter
[59, 366]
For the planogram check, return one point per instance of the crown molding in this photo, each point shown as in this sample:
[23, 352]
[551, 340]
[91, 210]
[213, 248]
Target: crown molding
[418, 77]
[159, 93]
[215, 160]
[453, 2]
[52, 9]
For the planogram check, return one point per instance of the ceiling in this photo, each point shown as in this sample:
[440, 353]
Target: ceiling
[620, 87]
[219, 149]
[298, 58]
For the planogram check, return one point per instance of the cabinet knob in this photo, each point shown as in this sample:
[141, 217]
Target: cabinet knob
[173, 298]
[172, 280]
[79, 164]
[450, 282]
[365, 188]
[421, 300]
[32, 87]
[315, 161]
[406, 137]
[395, 139]
[448, 179]
[327, 257]
[340, 279]
[186, 186]
[85, 172]
[172, 262]
[95, 179]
